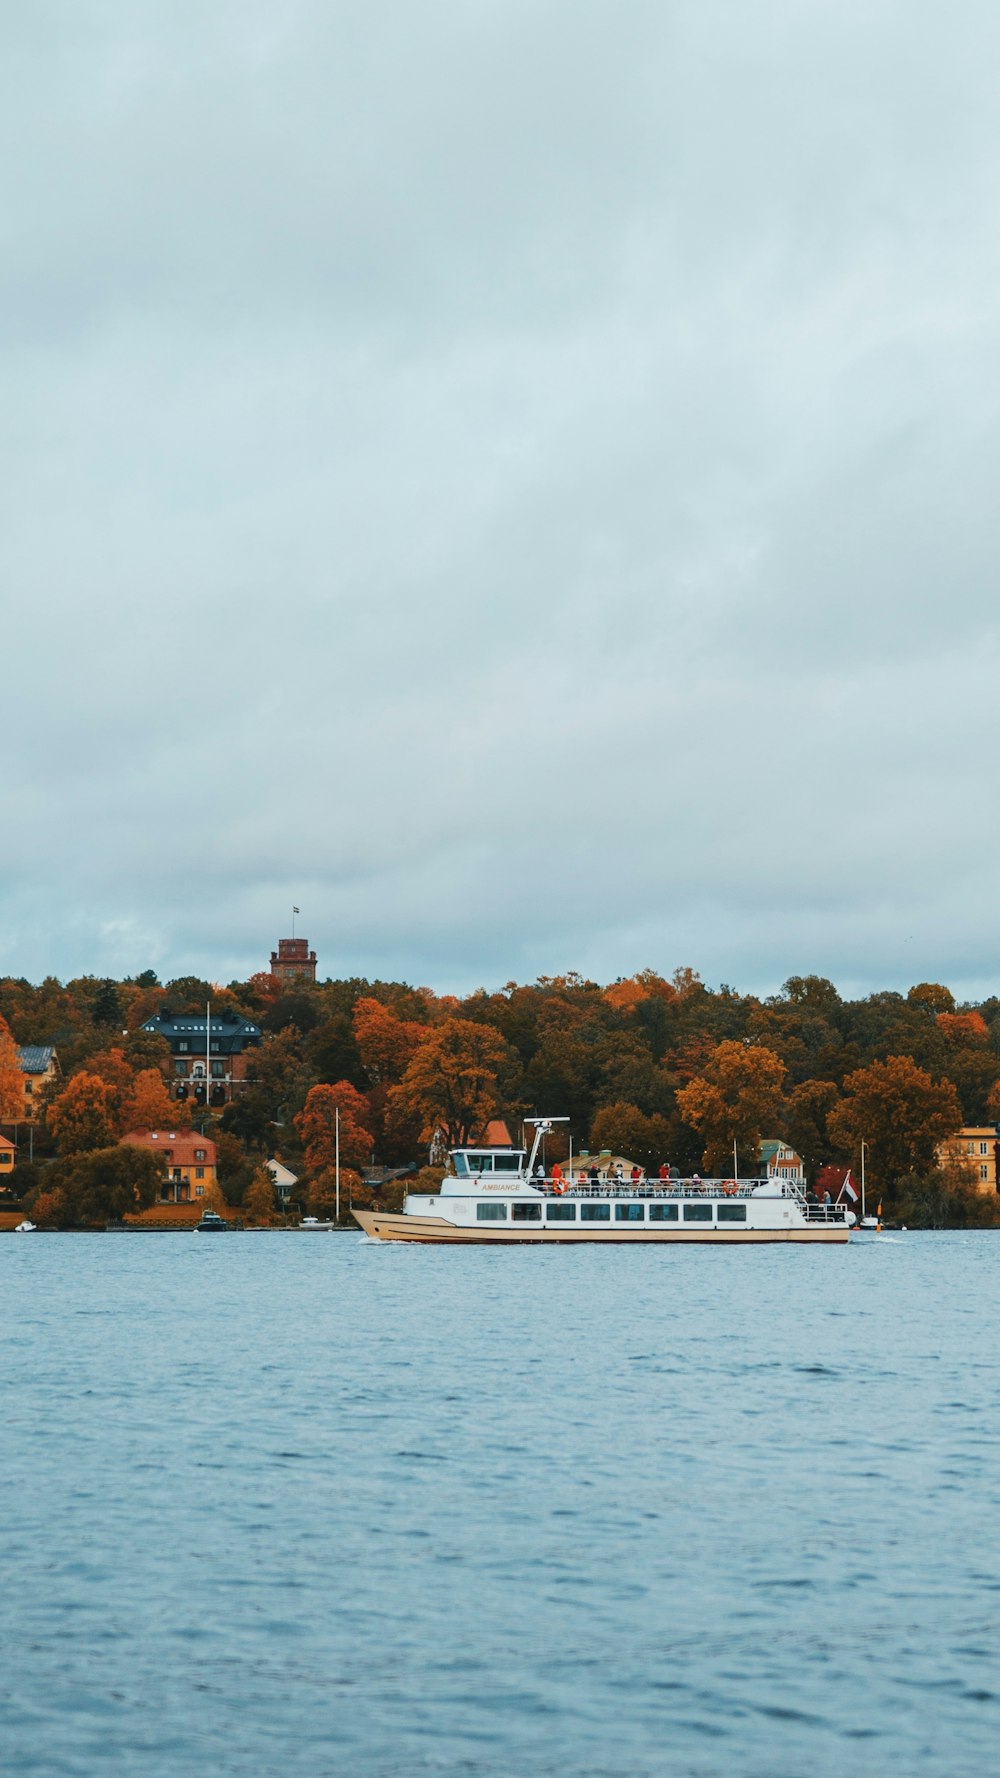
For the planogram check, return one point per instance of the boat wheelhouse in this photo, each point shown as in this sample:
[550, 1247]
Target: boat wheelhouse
[504, 1195]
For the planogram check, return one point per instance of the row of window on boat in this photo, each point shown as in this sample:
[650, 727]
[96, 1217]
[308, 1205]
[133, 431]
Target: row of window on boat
[603, 1211]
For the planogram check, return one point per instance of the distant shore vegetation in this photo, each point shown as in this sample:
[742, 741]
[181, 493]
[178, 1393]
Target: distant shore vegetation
[654, 1067]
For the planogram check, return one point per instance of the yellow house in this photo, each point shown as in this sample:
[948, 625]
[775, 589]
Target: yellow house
[974, 1148]
[38, 1064]
[189, 1159]
[7, 1152]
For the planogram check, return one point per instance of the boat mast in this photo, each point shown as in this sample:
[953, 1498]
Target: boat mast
[542, 1125]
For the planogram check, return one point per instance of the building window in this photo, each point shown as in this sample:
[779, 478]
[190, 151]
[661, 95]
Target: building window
[29, 1086]
[199, 1154]
[215, 1049]
[218, 1069]
[199, 1191]
[491, 1213]
[970, 1148]
[180, 1067]
[984, 1171]
[183, 1044]
[199, 1172]
[983, 1148]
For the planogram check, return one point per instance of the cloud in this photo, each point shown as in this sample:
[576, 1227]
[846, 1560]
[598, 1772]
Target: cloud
[514, 480]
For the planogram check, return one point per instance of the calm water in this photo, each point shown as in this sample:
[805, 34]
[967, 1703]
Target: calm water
[293, 1504]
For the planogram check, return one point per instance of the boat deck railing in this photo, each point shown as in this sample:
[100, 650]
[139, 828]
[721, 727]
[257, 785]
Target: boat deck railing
[656, 1188]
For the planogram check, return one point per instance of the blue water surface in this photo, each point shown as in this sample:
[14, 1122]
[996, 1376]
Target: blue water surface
[302, 1505]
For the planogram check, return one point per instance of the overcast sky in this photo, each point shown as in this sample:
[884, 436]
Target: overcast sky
[516, 478]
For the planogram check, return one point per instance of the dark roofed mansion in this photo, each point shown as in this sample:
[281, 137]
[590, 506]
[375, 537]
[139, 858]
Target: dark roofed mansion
[210, 1056]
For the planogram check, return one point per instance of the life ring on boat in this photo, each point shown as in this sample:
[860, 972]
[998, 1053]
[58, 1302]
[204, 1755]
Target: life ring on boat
[729, 1188]
[559, 1186]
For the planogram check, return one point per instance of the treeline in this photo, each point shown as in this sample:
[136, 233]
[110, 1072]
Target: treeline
[652, 1067]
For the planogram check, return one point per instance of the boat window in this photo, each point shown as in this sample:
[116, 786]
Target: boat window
[526, 1212]
[731, 1212]
[595, 1212]
[663, 1212]
[506, 1163]
[630, 1212]
[697, 1213]
[560, 1212]
[461, 1165]
[480, 1163]
[491, 1213]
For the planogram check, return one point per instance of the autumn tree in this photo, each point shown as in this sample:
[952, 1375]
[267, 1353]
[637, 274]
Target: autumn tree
[624, 1129]
[317, 1126]
[901, 1115]
[736, 1098]
[106, 1183]
[258, 1200]
[148, 1105]
[111, 1066]
[805, 1122]
[453, 1080]
[386, 1042]
[321, 1199]
[11, 1079]
[82, 1117]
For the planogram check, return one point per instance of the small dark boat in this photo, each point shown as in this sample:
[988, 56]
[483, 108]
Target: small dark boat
[210, 1220]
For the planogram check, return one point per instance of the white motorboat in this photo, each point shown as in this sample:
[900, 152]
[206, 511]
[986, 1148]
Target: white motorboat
[315, 1224]
[503, 1195]
[26, 1228]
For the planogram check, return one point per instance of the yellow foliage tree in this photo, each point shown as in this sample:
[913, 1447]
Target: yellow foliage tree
[259, 1200]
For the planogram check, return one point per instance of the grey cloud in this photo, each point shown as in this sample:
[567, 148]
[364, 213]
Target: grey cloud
[514, 480]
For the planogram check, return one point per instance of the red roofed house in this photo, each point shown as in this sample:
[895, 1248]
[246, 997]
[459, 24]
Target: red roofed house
[189, 1159]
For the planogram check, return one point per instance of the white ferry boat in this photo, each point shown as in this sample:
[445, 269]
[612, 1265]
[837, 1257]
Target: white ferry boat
[503, 1194]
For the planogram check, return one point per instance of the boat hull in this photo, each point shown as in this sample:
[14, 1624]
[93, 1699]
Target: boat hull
[383, 1226]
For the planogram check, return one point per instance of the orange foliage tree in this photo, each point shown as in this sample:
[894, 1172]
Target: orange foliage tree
[900, 1114]
[148, 1106]
[317, 1126]
[386, 1043]
[737, 1096]
[11, 1079]
[453, 1079]
[111, 1066]
[82, 1117]
[963, 1027]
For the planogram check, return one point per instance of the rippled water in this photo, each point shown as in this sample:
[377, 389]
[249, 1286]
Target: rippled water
[298, 1504]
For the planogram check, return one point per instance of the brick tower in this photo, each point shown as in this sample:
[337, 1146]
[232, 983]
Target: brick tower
[293, 961]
